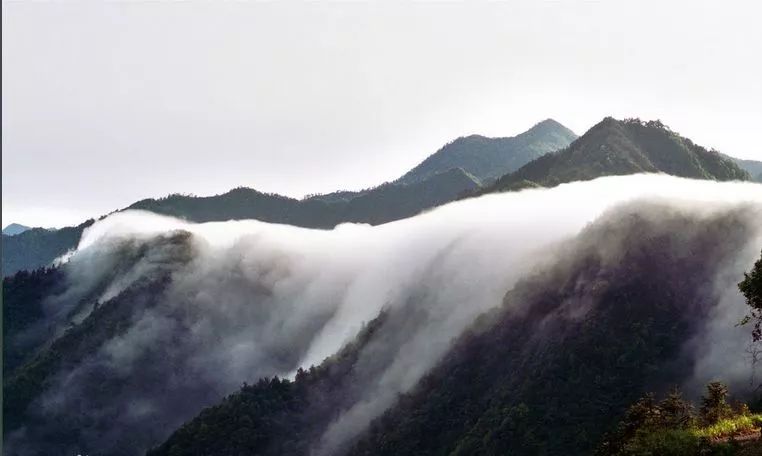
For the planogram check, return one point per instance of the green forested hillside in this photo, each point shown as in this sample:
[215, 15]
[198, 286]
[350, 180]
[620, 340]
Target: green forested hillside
[22, 385]
[274, 416]
[617, 147]
[24, 295]
[547, 381]
[29, 373]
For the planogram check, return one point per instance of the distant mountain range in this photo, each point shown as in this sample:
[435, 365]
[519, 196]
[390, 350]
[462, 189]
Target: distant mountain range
[545, 155]
[14, 229]
[377, 205]
[454, 171]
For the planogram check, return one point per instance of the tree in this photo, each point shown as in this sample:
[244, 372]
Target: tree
[670, 427]
[714, 405]
[676, 412]
[751, 287]
[643, 413]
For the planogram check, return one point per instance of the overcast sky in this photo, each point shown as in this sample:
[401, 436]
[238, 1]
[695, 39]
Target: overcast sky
[107, 103]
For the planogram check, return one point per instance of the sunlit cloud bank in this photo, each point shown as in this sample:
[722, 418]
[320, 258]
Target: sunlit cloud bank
[239, 300]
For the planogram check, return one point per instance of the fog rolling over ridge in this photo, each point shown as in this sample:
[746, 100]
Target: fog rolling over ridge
[188, 312]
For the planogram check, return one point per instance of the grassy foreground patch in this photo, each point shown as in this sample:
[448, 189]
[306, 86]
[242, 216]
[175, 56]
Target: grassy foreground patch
[716, 439]
[730, 427]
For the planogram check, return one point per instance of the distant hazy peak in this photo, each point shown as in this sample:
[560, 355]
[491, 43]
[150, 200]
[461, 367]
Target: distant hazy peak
[488, 158]
[753, 167]
[14, 229]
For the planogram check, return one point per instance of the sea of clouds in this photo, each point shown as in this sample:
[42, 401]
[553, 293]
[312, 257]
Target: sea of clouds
[247, 299]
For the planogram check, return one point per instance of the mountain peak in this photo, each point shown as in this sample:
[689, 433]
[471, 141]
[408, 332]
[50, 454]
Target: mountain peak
[628, 146]
[550, 127]
[489, 158]
[548, 123]
[14, 229]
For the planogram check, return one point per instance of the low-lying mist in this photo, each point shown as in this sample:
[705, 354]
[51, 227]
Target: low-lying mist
[240, 300]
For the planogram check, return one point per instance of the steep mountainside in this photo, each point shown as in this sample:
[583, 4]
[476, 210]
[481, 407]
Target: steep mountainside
[597, 334]
[614, 147]
[24, 295]
[45, 336]
[277, 416]
[624, 311]
[489, 158]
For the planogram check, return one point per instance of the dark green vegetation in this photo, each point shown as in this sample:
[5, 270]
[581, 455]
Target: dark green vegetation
[751, 287]
[274, 416]
[489, 158]
[547, 373]
[617, 147]
[578, 370]
[671, 427]
[61, 342]
[22, 385]
[23, 296]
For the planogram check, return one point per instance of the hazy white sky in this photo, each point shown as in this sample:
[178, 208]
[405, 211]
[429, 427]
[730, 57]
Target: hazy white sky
[105, 103]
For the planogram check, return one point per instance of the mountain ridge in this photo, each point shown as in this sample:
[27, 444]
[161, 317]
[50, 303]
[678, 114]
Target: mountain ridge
[611, 147]
[383, 203]
[618, 147]
[386, 202]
